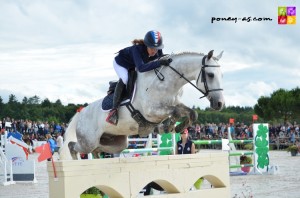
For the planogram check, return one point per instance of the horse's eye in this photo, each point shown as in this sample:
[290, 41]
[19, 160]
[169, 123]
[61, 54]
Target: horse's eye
[211, 75]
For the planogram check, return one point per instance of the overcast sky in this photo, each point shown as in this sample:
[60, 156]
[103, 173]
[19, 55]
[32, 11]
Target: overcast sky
[63, 49]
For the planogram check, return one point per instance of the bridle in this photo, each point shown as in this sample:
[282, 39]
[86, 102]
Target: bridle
[203, 78]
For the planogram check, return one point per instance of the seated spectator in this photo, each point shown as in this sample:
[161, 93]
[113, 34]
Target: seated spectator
[281, 134]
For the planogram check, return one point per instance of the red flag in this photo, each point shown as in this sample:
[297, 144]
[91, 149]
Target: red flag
[254, 117]
[231, 120]
[45, 152]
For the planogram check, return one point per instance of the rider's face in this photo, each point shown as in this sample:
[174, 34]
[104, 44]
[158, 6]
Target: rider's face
[151, 51]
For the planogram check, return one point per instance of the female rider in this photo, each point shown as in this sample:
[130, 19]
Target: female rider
[140, 57]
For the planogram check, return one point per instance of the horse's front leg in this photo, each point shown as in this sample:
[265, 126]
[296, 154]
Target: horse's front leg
[187, 116]
[169, 123]
[190, 113]
[179, 112]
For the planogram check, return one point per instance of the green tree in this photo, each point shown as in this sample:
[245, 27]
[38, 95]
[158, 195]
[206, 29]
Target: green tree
[25, 101]
[2, 105]
[46, 103]
[12, 99]
[282, 105]
[296, 106]
[12, 109]
[35, 100]
[58, 103]
[262, 108]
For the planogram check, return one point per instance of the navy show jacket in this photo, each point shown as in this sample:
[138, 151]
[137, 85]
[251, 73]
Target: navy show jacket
[137, 56]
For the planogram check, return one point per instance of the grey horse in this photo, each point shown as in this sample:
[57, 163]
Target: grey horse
[156, 100]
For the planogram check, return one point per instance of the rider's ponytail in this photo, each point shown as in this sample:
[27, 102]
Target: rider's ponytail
[138, 42]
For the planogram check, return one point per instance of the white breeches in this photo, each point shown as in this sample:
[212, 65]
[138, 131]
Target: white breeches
[121, 72]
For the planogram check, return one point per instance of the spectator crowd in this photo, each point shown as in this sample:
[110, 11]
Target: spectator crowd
[282, 134]
[34, 130]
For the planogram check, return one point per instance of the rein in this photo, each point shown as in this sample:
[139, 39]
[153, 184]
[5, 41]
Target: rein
[143, 122]
[203, 78]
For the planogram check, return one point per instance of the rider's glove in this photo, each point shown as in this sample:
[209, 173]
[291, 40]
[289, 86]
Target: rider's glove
[165, 62]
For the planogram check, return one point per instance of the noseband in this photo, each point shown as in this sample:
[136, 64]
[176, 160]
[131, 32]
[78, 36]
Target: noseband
[203, 78]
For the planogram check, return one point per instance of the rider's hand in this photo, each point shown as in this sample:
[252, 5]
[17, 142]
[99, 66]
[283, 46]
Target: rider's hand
[165, 62]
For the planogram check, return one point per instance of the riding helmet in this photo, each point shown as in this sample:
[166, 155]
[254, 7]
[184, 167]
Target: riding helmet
[153, 39]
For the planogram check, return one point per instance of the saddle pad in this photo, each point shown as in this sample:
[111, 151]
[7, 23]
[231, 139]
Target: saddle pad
[107, 103]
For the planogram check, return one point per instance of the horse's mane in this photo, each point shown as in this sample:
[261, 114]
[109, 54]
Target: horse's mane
[192, 53]
[184, 53]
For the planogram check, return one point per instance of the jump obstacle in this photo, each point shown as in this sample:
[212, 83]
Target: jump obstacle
[176, 174]
[126, 177]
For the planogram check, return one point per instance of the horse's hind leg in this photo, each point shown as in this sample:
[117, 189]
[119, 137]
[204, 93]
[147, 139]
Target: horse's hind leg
[74, 153]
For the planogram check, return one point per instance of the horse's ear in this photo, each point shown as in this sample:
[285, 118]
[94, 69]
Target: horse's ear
[210, 54]
[219, 56]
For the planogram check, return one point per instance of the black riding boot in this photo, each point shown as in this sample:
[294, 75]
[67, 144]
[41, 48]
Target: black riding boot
[112, 117]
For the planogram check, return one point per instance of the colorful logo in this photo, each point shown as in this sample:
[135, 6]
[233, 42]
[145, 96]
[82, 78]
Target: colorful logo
[287, 15]
[17, 159]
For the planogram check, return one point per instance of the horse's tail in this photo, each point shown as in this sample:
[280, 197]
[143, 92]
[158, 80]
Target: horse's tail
[70, 135]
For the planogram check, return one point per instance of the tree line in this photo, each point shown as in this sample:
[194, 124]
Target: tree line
[33, 108]
[281, 106]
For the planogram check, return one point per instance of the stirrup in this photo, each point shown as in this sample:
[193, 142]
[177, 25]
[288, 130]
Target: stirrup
[112, 117]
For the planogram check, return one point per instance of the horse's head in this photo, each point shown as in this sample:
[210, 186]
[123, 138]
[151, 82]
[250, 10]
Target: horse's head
[209, 81]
